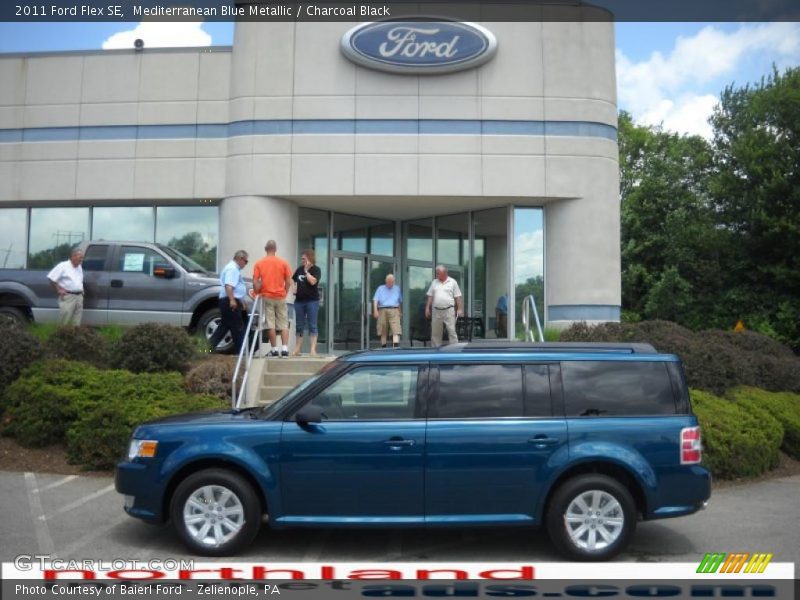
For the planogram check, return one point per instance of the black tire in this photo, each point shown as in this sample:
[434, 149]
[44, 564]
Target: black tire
[568, 537]
[13, 313]
[217, 482]
[206, 325]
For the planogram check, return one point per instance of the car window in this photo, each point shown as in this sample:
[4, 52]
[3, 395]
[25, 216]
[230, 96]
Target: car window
[369, 393]
[537, 391]
[94, 259]
[470, 391]
[134, 259]
[622, 388]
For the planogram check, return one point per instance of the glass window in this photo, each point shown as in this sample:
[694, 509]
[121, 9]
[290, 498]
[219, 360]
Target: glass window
[528, 263]
[419, 240]
[381, 239]
[616, 388]
[537, 391]
[123, 223]
[371, 393]
[54, 232]
[414, 299]
[134, 259]
[490, 252]
[313, 233]
[191, 230]
[468, 391]
[95, 257]
[13, 241]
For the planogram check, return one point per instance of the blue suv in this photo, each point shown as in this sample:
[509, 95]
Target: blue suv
[581, 439]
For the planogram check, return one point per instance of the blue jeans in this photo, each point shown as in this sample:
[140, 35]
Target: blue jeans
[306, 310]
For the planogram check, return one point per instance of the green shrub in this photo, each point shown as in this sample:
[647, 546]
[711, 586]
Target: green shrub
[212, 376]
[94, 411]
[18, 349]
[782, 406]
[736, 442]
[83, 343]
[713, 360]
[154, 347]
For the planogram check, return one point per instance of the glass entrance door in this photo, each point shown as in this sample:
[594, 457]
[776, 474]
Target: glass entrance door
[355, 279]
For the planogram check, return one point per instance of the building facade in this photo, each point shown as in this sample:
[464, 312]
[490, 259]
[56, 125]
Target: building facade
[506, 172]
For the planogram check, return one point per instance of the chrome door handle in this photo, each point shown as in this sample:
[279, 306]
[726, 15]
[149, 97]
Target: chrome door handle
[542, 441]
[399, 442]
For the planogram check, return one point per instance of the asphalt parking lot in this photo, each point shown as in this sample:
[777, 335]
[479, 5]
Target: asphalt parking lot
[73, 517]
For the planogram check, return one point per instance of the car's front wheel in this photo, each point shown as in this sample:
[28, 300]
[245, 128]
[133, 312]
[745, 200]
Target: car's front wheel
[216, 512]
[207, 326]
[591, 517]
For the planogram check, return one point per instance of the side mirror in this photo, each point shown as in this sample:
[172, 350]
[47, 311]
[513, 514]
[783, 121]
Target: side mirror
[308, 414]
[164, 271]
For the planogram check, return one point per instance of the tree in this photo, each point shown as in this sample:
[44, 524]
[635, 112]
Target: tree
[195, 247]
[756, 191]
[670, 243]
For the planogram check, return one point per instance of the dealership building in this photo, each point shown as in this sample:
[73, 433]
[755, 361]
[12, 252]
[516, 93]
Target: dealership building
[490, 148]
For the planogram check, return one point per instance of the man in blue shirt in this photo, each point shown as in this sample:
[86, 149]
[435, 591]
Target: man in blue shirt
[501, 317]
[231, 301]
[386, 308]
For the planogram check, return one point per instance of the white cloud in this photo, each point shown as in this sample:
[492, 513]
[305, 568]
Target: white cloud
[156, 34]
[529, 255]
[673, 89]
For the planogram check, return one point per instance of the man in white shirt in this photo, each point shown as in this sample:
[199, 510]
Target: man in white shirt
[67, 280]
[444, 303]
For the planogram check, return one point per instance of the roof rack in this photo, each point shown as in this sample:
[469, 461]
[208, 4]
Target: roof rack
[504, 346]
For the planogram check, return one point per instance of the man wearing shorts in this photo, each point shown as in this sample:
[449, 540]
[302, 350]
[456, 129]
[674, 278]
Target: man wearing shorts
[386, 305]
[272, 279]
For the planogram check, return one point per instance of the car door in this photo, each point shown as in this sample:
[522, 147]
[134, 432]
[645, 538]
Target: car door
[136, 291]
[364, 462]
[491, 439]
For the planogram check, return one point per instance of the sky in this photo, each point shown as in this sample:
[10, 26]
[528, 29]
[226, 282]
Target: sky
[668, 74]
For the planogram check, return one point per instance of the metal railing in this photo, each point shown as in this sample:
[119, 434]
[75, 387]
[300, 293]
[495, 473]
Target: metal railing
[527, 303]
[247, 352]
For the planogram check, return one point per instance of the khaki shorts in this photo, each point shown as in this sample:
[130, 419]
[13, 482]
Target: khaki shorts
[276, 315]
[389, 321]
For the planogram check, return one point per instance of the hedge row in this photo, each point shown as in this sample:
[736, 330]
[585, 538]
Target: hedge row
[144, 348]
[92, 411]
[715, 361]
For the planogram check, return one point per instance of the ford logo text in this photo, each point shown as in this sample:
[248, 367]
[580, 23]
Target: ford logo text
[419, 46]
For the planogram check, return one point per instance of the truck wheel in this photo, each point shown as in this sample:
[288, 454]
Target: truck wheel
[591, 517]
[208, 324]
[13, 313]
[216, 512]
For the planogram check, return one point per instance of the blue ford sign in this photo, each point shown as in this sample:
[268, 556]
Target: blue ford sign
[419, 46]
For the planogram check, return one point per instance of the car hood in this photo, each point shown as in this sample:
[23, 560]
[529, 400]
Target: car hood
[202, 418]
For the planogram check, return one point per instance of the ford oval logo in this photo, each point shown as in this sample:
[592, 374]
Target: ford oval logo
[419, 46]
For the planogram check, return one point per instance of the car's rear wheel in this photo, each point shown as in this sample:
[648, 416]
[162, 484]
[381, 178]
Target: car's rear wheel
[591, 517]
[14, 314]
[216, 512]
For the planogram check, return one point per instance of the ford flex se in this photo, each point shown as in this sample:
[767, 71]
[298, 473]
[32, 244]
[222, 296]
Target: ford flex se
[582, 440]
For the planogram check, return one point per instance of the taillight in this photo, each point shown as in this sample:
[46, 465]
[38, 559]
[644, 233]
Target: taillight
[691, 446]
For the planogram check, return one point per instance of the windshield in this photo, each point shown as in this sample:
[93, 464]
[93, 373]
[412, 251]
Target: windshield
[183, 260]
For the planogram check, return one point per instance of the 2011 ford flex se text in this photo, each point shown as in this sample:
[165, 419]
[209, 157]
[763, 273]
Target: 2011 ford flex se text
[581, 439]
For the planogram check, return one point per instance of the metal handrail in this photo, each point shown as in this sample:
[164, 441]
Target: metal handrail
[528, 302]
[249, 349]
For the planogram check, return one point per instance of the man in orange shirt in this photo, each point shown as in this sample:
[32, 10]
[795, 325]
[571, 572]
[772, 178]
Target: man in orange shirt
[272, 279]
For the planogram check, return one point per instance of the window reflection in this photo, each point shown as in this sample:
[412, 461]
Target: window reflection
[13, 241]
[528, 262]
[54, 232]
[419, 240]
[490, 251]
[191, 230]
[128, 223]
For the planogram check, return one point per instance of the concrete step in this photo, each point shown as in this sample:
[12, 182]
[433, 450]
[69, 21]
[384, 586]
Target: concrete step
[291, 379]
[269, 393]
[300, 364]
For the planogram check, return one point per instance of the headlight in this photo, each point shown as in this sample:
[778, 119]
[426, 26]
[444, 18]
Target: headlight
[142, 449]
